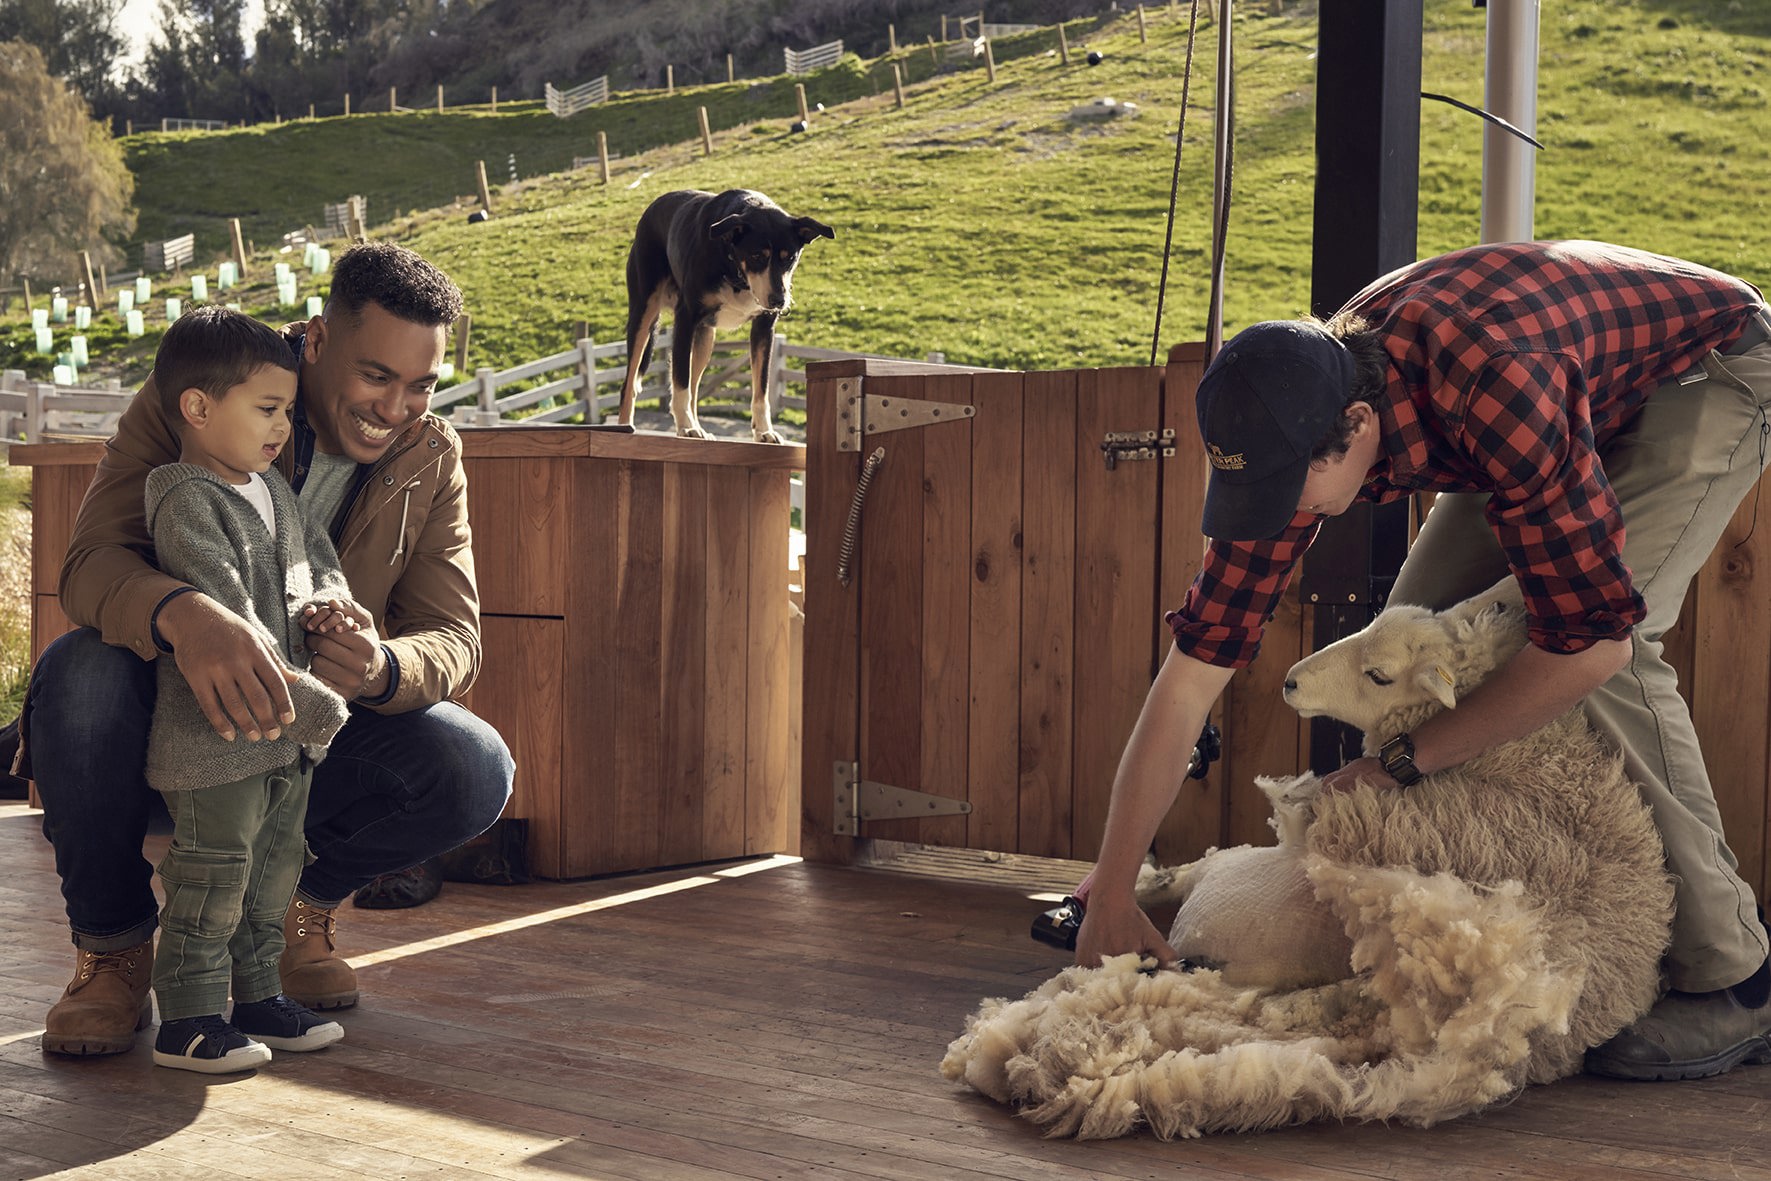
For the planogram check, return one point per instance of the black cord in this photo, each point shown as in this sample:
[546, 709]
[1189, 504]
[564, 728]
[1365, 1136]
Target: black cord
[1174, 184]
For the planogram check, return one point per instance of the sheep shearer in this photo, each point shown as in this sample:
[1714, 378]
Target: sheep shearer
[1551, 393]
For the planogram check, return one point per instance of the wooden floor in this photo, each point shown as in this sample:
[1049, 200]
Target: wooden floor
[758, 1020]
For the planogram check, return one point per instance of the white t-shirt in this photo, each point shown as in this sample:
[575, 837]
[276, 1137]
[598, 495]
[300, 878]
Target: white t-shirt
[258, 495]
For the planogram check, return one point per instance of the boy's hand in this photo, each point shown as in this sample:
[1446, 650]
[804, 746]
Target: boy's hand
[350, 661]
[336, 615]
[241, 684]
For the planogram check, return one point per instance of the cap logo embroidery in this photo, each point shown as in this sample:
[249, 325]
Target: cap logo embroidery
[1225, 463]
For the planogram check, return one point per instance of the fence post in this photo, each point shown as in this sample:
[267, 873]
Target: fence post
[439, 98]
[1143, 35]
[1063, 45]
[669, 79]
[494, 100]
[239, 244]
[989, 61]
[463, 330]
[706, 135]
[34, 411]
[485, 190]
[943, 27]
[92, 289]
[587, 363]
[347, 104]
[27, 286]
[392, 103]
[799, 92]
[602, 153]
[488, 379]
[892, 38]
[934, 54]
[730, 77]
[898, 84]
[310, 110]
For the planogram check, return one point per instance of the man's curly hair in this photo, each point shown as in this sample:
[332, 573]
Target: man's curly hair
[1371, 372]
[398, 280]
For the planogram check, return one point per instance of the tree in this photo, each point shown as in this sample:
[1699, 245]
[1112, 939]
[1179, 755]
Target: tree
[196, 63]
[63, 184]
[78, 38]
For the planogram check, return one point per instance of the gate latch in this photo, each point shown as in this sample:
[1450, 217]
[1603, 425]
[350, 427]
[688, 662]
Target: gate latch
[1130, 445]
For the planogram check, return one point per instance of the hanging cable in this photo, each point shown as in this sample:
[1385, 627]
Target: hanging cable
[1174, 184]
[1227, 144]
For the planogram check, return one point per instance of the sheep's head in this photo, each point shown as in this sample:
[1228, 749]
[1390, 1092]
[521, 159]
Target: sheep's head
[1408, 660]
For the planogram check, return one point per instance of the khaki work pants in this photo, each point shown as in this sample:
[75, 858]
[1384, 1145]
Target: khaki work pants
[1679, 470]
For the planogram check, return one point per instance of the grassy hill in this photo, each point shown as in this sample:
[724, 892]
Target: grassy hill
[980, 221]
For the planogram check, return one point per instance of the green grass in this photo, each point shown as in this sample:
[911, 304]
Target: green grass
[980, 221]
[15, 582]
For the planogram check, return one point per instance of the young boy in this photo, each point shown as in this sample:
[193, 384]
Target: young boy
[226, 522]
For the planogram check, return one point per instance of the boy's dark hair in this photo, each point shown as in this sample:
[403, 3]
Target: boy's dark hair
[213, 349]
[397, 279]
[1371, 372]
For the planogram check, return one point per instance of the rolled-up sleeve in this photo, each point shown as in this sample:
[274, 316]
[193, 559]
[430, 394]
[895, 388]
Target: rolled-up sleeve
[1236, 592]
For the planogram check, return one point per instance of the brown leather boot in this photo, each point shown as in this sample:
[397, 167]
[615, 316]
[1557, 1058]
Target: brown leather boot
[105, 1005]
[313, 972]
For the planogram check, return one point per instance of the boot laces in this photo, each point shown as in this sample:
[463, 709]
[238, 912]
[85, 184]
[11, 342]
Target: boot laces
[312, 920]
[94, 962]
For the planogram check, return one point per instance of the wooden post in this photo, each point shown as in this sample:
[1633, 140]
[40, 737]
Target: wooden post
[669, 79]
[104, 283]
[799, 92]
[898, 84]
[392, 101]
[934, 55]
[943, 28]
[27, 286]
[1143, 34]
[494, 100]
[488, 404]
[479, 169]
[310, 110]
[347, 104]
[706, 135]
[439, 98]
[1063, 45]
[587, 362]
[602, 153]
[239, 244]
[463, 330]
[93, 290]
[129, 127]
[989, 61]
[730, 76]
[892, 37]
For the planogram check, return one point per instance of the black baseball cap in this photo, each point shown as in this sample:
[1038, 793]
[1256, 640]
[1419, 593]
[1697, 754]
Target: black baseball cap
[1266, 400]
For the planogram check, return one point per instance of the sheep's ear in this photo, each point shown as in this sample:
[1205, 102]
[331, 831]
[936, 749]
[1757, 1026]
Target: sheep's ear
[1437, 680]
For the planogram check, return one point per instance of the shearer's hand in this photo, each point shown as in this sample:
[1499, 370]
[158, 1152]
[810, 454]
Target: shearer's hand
[240, 681]
[1366, 770]
[1115, 925]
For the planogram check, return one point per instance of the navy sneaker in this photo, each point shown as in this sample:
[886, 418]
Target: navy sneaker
[280, 1022]
[207, 1045]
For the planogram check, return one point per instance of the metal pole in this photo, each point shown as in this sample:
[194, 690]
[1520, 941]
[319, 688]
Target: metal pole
[1509, 164]
[1226, 98]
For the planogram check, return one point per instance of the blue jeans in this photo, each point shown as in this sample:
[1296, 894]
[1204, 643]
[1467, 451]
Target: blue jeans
[235, 855]
[393, 790]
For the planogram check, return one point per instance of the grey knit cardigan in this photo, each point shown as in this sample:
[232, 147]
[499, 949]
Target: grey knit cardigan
[210, 536]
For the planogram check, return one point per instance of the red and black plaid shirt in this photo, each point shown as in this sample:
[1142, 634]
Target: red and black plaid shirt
[1511, 365]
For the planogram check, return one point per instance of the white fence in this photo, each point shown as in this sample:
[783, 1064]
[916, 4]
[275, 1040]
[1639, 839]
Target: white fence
[565, 103]
[339, 217]
[37, 409]
[995, 31]
[169, 255]
[804, 61]
[192, 125]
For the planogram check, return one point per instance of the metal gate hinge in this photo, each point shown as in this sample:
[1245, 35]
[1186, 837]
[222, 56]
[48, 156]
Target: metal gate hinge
[861, 799]
[858, 414]
[1128, 445]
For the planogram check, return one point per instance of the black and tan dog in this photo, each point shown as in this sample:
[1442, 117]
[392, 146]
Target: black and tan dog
[719, 261]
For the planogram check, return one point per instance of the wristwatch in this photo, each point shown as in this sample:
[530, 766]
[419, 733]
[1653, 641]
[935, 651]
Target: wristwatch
[1397, 757]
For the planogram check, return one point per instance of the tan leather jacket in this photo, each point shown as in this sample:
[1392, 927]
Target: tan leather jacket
[404, 544]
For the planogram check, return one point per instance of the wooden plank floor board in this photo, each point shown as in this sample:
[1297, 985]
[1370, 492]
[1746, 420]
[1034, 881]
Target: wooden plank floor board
[784, 1021]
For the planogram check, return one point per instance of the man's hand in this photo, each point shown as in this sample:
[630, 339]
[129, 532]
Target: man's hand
[1367, 770]
[336, 615]
[350, 662]
[1111, 927]
[240, 681]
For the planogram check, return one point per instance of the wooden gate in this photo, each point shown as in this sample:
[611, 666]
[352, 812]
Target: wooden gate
[983, 624]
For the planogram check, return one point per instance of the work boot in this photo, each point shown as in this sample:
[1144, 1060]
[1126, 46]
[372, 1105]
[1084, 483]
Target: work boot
[105, 1005]
[1687, 1035]
[313, 972]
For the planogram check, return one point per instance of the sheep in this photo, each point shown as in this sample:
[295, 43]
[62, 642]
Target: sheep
[1400, 954]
